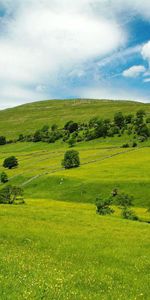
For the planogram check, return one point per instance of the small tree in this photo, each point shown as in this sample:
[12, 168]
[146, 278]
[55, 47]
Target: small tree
[10, 162]
[103, 206]
[11, 195]
[71, 159]
[3, 177]
[2, 140]
[125, 201]
[71, 142]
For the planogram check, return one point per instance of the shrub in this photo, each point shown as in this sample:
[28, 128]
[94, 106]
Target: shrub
[71, 126]
[72, 142]
[10, 162]
[2, 140]
[3, 177]
[11, 195]
[103, 206]
[129, 214]
[134, 144]
[124, 200]
[71, 159]
[125, 145]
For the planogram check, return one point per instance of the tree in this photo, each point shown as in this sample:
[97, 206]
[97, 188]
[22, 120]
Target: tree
[3, 177]
[2, 140]
[71, 159]
[11, 195]
[140, 113]
[103, 206]
[45, 128]
[37, 136]
[72, 142]
[124, 200]
[10, 162]
[54, 127]
[119, 119]
[71, 126]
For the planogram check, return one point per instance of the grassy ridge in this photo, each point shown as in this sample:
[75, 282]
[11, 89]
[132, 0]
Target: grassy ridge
[27, 118]
[56, 250]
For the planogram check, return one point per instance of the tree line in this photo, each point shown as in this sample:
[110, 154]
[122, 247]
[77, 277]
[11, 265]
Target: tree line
[137, 126]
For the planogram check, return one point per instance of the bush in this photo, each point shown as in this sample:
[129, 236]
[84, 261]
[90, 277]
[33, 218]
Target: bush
[103, 206]
[71, 142]
[3, 177]
[71, 126]
[125, 146]
[2, 140]
[11, 195]
[10, 162]
[134, 144]
[129, 214]
[71, 159]
[124, 200]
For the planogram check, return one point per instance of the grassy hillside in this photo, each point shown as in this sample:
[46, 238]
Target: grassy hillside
[56, 250]
[56, 246]
[27, 118]
[103, 167]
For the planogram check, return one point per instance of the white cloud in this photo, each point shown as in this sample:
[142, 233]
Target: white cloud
[146, 80]
[146, 51]
[134, 71]
[43, 39]
[47, 38]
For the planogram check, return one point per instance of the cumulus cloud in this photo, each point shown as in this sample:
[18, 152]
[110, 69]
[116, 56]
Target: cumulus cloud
[46, 38]
[134, 71]
[43, 40]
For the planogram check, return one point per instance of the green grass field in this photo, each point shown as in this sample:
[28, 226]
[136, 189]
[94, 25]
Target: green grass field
[58, 250]
[56, 246]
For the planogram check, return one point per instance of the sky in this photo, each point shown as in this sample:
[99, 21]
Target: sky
[57, 49]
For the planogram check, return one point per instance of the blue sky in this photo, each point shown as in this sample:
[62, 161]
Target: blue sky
[54, 49]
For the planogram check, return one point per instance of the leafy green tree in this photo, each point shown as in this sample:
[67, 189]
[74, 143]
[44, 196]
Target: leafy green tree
[140, 113]
[2, 140]
[54, 127]
[11, 195]
[71, 126]
[119, 119]
[72, 142]
[10, 162]
[129, 214]
[3, 177]
[45, 128]
[103, 206]
[71, 159]
[37, 136]
[124, 200]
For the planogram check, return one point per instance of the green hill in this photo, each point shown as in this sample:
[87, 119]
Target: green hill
[56, 246]
[29, 117]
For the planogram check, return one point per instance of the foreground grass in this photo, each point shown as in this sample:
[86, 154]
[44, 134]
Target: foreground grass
[58, 250]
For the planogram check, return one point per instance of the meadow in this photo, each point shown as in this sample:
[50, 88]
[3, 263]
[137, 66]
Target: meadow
[55, 246]
[61, 250]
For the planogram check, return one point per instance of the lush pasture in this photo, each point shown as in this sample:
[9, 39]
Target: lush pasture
[59, 250]
[62, 249]
[102, 168]
[30, 117]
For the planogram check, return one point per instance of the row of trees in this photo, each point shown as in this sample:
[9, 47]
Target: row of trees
[137, 125]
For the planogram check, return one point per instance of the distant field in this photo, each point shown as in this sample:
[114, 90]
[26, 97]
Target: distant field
[58, 250]
[103, 167]
[27, 118]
